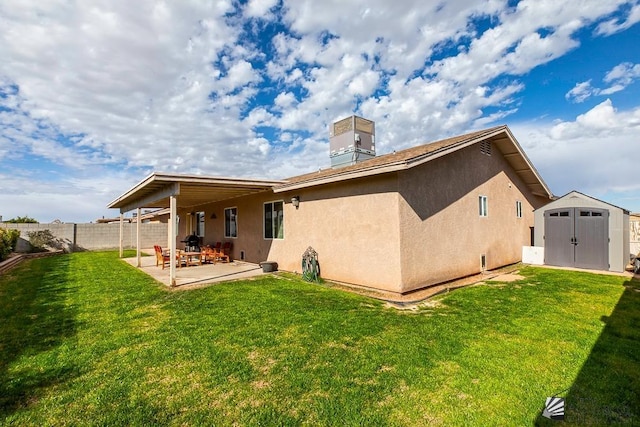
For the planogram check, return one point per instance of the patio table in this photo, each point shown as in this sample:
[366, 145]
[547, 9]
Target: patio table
[192, 258]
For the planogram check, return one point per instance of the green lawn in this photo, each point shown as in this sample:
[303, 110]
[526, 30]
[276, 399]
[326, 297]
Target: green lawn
[87, 339]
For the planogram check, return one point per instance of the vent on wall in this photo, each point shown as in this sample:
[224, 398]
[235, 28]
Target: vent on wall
[241, 255]
[483, 263]
[485, 147]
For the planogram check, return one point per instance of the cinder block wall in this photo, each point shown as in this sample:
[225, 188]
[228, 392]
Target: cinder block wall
[93, 236]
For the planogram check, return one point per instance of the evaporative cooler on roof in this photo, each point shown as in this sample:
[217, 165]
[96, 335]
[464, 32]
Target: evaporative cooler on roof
[351, 140]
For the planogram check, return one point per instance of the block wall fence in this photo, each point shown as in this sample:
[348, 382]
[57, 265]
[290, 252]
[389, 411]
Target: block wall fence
[78, 237]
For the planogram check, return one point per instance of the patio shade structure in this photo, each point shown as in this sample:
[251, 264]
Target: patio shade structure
[173, 191]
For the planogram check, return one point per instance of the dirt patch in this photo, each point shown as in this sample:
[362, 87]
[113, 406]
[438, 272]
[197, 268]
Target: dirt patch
[509, 277]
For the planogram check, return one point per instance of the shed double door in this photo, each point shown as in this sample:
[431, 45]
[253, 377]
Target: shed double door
[577, 237]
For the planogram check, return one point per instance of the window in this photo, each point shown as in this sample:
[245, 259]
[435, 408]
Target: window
[274, 220]
[590, 213]
[231, 222]
[518, 209]
[200, 224]
[482, 204]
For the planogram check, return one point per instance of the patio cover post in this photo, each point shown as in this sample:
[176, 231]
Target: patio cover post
[138, 221]
[121, 233]
[172, 240]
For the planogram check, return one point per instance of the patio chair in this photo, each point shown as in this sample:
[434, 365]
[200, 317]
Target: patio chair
[222, 254]
[163, 258]
[208, 253]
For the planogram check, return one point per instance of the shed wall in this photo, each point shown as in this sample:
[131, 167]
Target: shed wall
[618, 226]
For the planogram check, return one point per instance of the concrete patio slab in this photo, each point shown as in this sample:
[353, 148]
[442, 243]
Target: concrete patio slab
[188, 277]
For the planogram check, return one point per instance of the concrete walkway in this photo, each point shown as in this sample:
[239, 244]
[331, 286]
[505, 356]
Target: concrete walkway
[193, 276]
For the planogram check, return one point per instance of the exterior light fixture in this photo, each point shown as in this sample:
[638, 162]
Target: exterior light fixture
[295, 201]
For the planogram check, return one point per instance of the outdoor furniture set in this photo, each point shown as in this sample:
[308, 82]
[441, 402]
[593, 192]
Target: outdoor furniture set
[207, 254]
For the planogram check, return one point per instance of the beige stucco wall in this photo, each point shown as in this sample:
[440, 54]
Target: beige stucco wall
[249, 222]
[442, 233]
[353, 226]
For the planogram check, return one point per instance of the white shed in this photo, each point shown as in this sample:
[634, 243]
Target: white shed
[580, 231]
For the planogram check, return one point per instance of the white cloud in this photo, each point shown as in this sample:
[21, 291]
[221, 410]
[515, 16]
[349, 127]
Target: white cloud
[623, 74]
[580, 92]
[616, 25]
[596, 153]
[259, 8]
[619, 77]
[285, 99]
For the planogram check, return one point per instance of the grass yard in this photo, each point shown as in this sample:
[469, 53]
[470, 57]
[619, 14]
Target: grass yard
[87, 339]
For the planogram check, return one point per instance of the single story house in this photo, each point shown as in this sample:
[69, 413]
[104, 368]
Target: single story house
[396, 222]
[580, 231]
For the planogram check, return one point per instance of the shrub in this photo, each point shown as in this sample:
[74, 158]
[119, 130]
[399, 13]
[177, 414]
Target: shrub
[8, 240]
[39, 240]
[23, 220]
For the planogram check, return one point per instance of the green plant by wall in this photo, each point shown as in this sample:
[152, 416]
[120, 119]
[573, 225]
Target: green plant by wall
[8, 240]
[39, 240]
[23, 220]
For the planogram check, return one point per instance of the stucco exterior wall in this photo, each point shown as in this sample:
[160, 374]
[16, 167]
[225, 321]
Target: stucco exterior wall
[619, 248]
[353, 226]
[249, 241]
[442, 233]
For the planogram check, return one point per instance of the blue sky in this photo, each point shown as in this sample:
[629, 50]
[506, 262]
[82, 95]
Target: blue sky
[95, 95]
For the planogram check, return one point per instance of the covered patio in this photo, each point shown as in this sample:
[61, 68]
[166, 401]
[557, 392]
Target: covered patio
[196, 275]
[173, 191]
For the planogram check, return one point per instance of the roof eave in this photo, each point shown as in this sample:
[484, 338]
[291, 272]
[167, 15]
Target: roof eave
[359, 173]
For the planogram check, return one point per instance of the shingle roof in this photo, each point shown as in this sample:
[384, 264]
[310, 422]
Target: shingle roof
[380, 164]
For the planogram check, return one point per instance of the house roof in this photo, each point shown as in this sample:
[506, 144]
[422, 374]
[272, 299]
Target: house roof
[194, 190]
[500, 136]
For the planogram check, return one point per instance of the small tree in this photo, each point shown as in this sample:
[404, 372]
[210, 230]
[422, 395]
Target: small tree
[8, 240]
[23, 220]
[39, 240]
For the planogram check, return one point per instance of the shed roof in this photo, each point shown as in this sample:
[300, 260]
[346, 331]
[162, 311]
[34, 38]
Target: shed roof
[577, 194]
